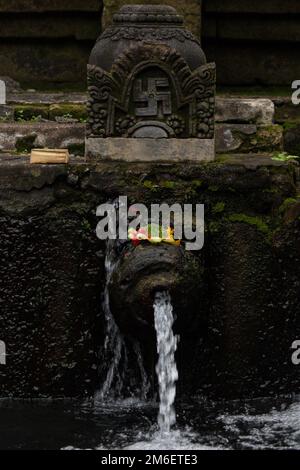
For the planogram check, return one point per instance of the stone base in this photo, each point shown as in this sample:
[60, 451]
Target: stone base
[149, 150]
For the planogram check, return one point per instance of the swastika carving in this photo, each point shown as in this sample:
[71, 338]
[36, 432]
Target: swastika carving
[158, 102]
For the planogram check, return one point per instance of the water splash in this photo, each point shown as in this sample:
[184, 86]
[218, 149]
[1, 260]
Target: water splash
[114, 343]
[166, 367]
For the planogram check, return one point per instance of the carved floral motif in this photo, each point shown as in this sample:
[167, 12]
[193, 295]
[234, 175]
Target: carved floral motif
[132, 33]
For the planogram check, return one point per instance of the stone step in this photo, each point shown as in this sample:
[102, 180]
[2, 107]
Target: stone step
[242, 124]
[36, 97]
[22, 137]
[52, 105]
[230, 138]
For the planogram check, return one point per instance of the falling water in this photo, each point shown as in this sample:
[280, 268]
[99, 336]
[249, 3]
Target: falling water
[166, 367]
[113, 339]
[115, 350]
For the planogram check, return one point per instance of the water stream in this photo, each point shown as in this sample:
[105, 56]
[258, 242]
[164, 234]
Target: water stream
[166, 368]
[115, 365]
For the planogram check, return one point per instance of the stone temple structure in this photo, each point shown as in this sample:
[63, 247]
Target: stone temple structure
[151, 91]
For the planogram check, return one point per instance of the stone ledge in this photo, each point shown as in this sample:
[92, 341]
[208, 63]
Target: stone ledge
[21, 183]
[27, 97]
[228, 109]
[243, 124]
[147, 150]
[23, 136]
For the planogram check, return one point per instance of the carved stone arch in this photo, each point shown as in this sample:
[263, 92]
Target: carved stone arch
[110, 93]
[147, 54]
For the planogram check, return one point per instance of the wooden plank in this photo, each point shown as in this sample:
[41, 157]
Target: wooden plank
[43, 156]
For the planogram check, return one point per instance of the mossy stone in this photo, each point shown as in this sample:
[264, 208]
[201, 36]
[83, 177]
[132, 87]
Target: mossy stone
[73, 111]
[30, 112]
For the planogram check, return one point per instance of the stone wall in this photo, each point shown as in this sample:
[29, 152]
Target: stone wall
[254, 42]
[57, 120]
[47, 43]
[52, 273]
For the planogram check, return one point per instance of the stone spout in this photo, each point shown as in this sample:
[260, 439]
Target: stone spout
[146, 270]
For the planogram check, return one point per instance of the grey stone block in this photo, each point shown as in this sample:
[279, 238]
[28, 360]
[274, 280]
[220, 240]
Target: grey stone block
[242, 110]
[149, 150]
[26, 136]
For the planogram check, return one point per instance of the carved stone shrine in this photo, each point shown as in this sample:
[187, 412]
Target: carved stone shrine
[151, 91]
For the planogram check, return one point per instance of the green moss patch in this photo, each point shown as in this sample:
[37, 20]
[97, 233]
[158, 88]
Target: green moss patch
[287, 203]
[218, 208]
[247, 219]
[28, 112]
[68, 111]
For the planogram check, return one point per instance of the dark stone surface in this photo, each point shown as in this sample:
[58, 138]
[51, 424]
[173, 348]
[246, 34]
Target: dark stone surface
[292, 139]
[252, 6]
[32, 6]
[252, 42]
[52, 273]
[46, 44]
[244, 63]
